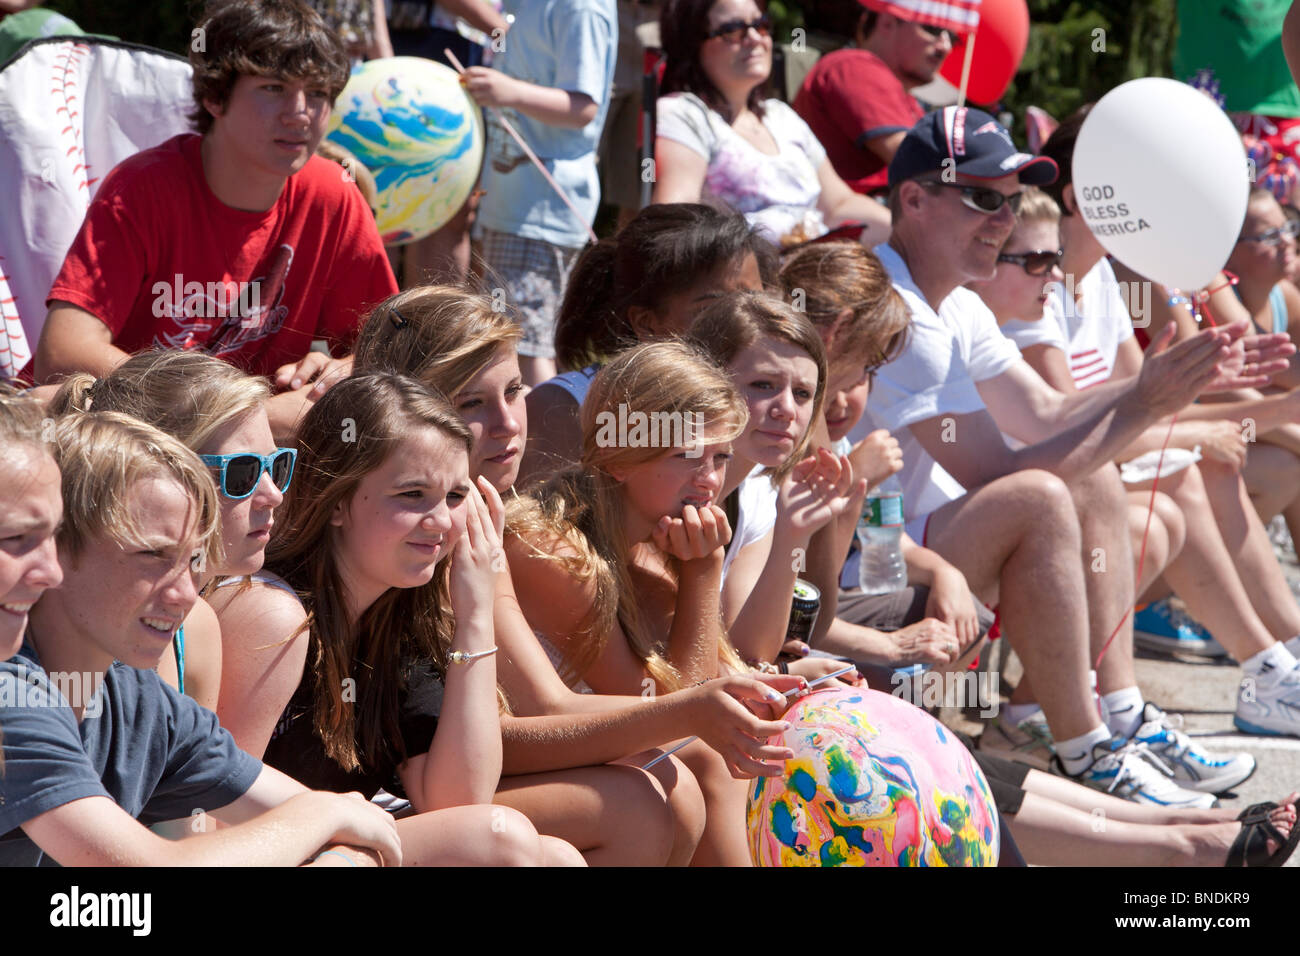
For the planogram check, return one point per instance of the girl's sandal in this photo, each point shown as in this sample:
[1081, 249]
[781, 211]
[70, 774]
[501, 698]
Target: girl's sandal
[1251, 846]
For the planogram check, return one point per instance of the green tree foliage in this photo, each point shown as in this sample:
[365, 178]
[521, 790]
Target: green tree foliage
[164, 24]
[1078, 51]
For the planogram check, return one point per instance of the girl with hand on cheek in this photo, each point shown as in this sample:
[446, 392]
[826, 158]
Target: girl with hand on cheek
[385, 561]
[617, 563]
[935, 620]
[781, 497]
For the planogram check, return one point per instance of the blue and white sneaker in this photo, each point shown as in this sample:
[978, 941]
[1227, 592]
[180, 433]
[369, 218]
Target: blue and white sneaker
[1131, 773]
[1163, 626]
[1269, 706]
[1191, 767]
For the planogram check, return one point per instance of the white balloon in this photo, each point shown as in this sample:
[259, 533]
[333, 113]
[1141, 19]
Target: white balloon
[1161, 178]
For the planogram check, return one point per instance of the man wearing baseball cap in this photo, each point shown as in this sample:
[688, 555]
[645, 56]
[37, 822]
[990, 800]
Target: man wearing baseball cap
[1040, 529]
[858, 100]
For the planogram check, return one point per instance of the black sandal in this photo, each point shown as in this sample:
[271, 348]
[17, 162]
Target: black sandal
[1251, 846]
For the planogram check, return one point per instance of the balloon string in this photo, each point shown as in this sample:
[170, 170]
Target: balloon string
[1142, 554]
[505, 123]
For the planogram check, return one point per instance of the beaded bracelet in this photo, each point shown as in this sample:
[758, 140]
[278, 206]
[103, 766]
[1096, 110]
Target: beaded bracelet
[464, 657]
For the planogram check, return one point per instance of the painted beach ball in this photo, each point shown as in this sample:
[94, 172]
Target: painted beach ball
[410, 123]
[874, 781]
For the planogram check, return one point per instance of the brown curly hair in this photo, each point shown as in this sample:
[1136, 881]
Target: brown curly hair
[284, 38]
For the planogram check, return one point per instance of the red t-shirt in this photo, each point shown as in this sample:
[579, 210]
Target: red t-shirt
[164, 263]
[849, 97]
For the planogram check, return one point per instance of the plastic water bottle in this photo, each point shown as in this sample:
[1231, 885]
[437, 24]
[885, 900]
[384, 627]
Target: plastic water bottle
[880, 539]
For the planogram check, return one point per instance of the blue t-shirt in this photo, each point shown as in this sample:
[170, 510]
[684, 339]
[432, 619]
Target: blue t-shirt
[563, 44]
[154, 752]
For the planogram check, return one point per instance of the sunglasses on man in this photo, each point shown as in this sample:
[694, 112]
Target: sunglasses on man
[733, 31]
[240, 472]
[980, 198]
[1038, 263]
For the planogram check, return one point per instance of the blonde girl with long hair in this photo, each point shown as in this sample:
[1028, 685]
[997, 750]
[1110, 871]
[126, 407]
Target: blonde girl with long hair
[458, 343]
[218, 412]
[617, 562]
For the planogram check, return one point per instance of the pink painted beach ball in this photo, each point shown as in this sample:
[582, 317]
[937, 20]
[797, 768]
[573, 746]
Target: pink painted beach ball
[875, 781]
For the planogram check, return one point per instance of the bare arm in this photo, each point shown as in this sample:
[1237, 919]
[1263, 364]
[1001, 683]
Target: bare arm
[381, 45]
[265, 653]
[477, 13]
[566, 108]
[679, 172]
[73, 340]
[884, 146]
[838, 204]
[95, 831]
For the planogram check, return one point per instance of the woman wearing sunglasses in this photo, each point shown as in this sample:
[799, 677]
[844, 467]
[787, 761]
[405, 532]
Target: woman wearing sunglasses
[718, 138]
[219, 412]
[1084, 337]
[1264, 259]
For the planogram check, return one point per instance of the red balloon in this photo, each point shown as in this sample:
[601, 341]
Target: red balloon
[1000, 42]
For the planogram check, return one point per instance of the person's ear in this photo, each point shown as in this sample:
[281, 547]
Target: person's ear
[1070, 206]
[339, 515]
[828, 337]
[215, 110]
[644, 322]
[909, 195]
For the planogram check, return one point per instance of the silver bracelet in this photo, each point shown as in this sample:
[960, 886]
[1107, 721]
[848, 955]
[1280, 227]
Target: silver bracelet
[464, 657]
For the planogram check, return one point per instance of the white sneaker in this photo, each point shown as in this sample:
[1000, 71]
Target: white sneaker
[1192, 767]
[1269, 705]
[1130, 772]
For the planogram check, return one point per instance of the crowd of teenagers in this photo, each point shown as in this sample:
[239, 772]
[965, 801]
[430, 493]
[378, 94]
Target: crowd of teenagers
[244, 585]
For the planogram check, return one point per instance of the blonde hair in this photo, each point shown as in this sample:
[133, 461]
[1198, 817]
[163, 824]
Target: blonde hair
[826, 278]
[441, 335]
[584, 505]
[21, 420]
[101, 455]
[1037, 206]
[186, 394]
[736, 321]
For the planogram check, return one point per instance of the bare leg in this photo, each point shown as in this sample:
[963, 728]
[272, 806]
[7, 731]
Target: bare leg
[1164, 539]
[1272, 477]
[1248, 543]
[1204, 574]
[472, 836]
[1054, 834]
[1108, 563]
[443, 256]
[614, 815]
[1017, 540]
[725, 841]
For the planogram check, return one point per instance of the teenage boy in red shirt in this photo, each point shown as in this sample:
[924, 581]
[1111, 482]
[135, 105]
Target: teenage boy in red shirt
[239, 241]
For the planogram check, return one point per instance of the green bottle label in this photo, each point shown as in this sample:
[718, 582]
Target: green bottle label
[884, 512]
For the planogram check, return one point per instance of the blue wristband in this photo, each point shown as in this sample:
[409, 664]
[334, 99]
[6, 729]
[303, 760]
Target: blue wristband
[351, 862]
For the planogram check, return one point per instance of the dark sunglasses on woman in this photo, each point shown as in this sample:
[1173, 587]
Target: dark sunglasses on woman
[240, 472]
[733, 31]
[1034, 263]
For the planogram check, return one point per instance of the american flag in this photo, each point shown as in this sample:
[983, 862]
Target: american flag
[960, 16]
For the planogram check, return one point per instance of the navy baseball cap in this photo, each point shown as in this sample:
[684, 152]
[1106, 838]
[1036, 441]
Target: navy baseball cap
[978, 145]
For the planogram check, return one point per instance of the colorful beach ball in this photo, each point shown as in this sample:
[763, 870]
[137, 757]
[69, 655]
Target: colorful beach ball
[874, 781]
[409, 121]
